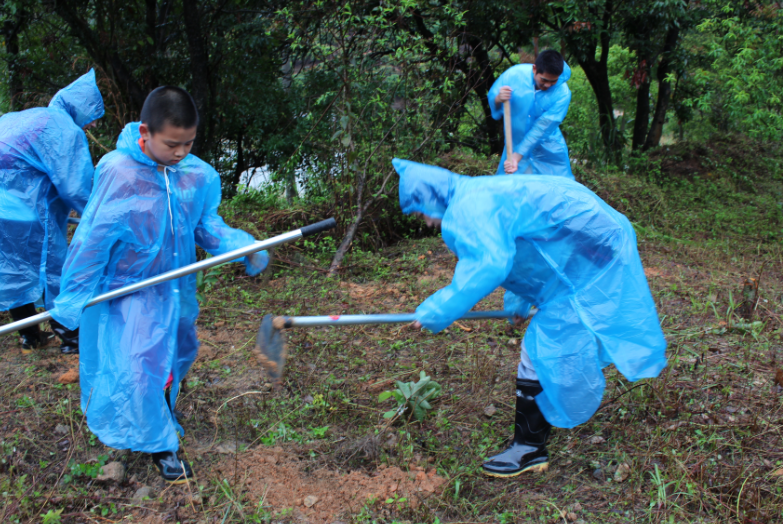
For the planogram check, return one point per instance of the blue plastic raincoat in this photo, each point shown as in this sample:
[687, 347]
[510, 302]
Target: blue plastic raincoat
[551, 243]
[45, 171]
[131, 230]
[536, 116]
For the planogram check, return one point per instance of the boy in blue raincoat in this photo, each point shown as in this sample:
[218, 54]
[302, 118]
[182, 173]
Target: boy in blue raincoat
[552, 244]
[539, 102]
[153, 203]
[45, 171]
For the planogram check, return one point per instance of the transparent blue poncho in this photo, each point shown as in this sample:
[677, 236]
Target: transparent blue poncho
[132, 230]
[553, 244]
[45, 171]
[535, 121]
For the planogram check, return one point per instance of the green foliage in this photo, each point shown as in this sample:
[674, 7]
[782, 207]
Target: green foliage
[412, 397]
[737, 83]
[89, 470]
[52, 516]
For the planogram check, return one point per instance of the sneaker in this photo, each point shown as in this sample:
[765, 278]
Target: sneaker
[173, 469]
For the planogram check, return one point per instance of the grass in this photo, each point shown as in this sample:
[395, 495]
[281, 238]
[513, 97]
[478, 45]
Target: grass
[701, 443]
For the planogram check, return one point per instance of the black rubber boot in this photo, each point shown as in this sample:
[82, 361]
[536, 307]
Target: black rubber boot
[527, 452]
[178, 415]
[69, 339]
[173, 469]
[32, 337]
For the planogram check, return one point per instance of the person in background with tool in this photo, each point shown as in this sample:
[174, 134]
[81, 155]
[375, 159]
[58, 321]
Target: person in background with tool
[45, 172]
[153, 203]
[539, 100]
[552, 244]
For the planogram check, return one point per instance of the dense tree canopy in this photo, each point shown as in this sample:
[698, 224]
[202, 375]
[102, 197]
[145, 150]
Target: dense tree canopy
[320, 95]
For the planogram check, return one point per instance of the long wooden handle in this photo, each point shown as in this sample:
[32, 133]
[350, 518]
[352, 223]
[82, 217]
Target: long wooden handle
[507, 126]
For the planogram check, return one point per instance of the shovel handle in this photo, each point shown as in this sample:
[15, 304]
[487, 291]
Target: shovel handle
[397, 318]
[507, 128]
[179, 272]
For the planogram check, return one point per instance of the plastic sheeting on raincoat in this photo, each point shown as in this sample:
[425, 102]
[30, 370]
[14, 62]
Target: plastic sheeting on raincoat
[45, 171]
[133, 229]
[536, 116]
[551, 243]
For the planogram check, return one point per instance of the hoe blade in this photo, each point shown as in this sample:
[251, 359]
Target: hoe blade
[270, 347]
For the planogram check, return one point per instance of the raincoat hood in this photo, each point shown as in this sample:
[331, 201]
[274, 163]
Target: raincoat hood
[128, 143]
[565, 76]
[81, 99]
[424, 189]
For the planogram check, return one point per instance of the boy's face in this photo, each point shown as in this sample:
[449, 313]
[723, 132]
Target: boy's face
[544, 80]
[169, 145]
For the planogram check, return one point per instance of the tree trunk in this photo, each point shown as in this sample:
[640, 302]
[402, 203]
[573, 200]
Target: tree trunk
[11, 30]
[199, 69]
[104, 55]
[642, 116]
[664, 88]
[598, 76]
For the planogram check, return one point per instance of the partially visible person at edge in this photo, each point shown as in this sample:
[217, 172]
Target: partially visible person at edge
[539, 99]
[153, 203]
[45, 172]
[553, 244]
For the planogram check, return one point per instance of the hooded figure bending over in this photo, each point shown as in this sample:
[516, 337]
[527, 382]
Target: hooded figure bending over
[45, 171]
[552, 244]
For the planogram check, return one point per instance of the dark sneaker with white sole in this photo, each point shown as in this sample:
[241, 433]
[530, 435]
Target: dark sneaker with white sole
[173, 469]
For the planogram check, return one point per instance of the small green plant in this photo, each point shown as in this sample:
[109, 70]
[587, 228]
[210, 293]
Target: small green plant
[91, 470]
[412, 397]
[205, 280]
[52, 516]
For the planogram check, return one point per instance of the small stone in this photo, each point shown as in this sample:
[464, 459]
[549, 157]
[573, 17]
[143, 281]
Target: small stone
[308, 399]
[112, 471]
[622, 473]
[310, 500]
[490, 410]
[144, 491]
[577, 507]
[571, 516]
[61, 429]
[598, 475]
[596, 439]
[197, 499]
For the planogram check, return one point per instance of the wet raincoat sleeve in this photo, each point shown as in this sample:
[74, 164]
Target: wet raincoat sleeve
[103, 222]
[516, 305]
[69, 163]
[546, 123]
[216, 238]
[486, 256]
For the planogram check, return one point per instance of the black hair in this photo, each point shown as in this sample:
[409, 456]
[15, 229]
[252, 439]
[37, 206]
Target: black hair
[549, 62]
[169, 104]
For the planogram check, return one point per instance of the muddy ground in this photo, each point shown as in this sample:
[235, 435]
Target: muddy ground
[701, 443]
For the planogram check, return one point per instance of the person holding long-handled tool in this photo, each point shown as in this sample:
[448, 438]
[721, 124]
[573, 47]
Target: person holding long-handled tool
[552, 244]
[533, 100]
[153, 203]
[45, 171]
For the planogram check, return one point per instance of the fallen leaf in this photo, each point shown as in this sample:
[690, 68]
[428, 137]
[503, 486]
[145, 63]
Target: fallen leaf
[779, 378]
[310, 501]
[778, 473]
[596, 439]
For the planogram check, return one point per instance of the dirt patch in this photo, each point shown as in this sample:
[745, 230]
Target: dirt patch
[277, 478]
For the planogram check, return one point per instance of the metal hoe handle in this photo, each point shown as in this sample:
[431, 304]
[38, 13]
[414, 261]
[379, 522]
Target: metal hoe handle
[349, 320]
[183, 271]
